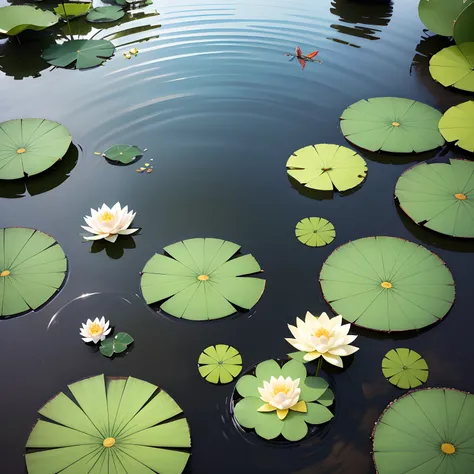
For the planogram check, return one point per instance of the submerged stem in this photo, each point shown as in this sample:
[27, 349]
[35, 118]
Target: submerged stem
[67, 19]
[318, 368]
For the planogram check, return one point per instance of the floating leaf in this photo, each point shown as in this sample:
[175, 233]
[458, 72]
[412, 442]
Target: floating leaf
[327, 167]
[424, 432]
[17, 18]
[125, 154]
[115, 345]
[200, 280]
[439, 196]
[387, 284]
[32, 269]
[72, 10]
[30, 146]
[404, 368]
[315, 231]
[315, 392]
[81, 54]
[464, 25]
[392, 124]
[457, 125]
[220, 363]
[105, 14]
[119, 422]
[439, 15]
[454, 66]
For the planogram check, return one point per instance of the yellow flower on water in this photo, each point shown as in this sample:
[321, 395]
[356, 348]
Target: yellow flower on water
[134, 51]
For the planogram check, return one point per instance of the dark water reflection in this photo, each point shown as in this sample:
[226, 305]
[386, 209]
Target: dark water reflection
[213, 98]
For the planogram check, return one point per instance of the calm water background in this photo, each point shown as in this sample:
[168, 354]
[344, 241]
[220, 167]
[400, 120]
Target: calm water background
[215, 101]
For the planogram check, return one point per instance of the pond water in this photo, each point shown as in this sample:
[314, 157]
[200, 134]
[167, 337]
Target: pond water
[219, 107]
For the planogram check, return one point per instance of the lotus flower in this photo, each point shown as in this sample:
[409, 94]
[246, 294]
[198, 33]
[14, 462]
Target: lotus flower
[108, 223]
[281, 395]
[95, 331]
[322, 337]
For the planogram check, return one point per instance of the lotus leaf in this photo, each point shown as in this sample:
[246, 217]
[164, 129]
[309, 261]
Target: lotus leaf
[72, 9]
[17, 18]
[109, 425]
[404, 368]
[105, 14]
[457, 125]
[315, 231]
[124, 154]
[387, 284]
[392, 124]
[116, 344]
[220, 364]
[464, 25]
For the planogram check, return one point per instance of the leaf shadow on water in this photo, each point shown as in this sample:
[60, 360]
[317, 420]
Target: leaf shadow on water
[402, 158]
[320, 195]
[114, 250]
[42, 182]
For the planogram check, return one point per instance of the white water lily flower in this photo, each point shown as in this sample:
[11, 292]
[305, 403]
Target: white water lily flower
[322, 337]
[108, 223]
[95, 331]
[281, 394]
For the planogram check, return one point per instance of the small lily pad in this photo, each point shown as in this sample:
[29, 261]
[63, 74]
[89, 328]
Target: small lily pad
[464, 25]
[326, 167]
[220, 363]
[105, 14]
[17, 18]
[72, 9]
[315, 231]
[457, 125]
[79, 54]
[115, 345]
[404, 368]
[124, 154]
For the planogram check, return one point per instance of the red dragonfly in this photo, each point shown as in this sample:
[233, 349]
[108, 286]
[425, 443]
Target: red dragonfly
[302, 58]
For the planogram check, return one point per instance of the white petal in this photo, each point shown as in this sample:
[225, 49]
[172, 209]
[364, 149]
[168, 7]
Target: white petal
[335, 322]
[343, 350]
[106, 333]
[309, 318]
[87, 339]
[111, 238]
[324, 320]
[116, 208]
[311, 356]
[349, 339]
[127, 231]
[301, 346]
[333, 359]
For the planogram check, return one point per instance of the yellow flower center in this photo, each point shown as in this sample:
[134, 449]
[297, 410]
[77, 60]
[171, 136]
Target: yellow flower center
[20, 151]
[386, 285]
[203, 277]
[448, 448]
[106, 216]
[322, 332]
[396, 124]
[460, 196]
[95, 329]
[281, 389]
[5, 273]
[109, 442]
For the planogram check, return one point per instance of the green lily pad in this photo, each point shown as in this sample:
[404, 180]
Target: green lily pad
[201, 280]
[327, 167]
[464, 25]
[115, 345]
[119, 422]
[80, 54]
[105, 14]
[387, 284]
[315, 392]
[17, 18]
[315, 231]
[124, 154]
[457, 125]
[32, 269]
[454, 66]
[404, 368]
[439, 196]
[392, 124]
[220, 363]
[73, 9]
[30, 146]
[439, 15]
[424, 432]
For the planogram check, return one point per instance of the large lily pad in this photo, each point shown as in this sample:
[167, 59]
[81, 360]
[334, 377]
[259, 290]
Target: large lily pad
[327, 167]
[315, 392]
[105, 14]
[201, 280]
[439, 15]
[32, 269]
[115, 425]
[454, 66]
[80, 54]
[439, 196]
[17, 18]
[404, 368]
[72, 9]
[464, 25]
[425, 432]
[30, 146]
[315, 231]
[220, 363]
[387, 284]
[457, 125]
[392, 124]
